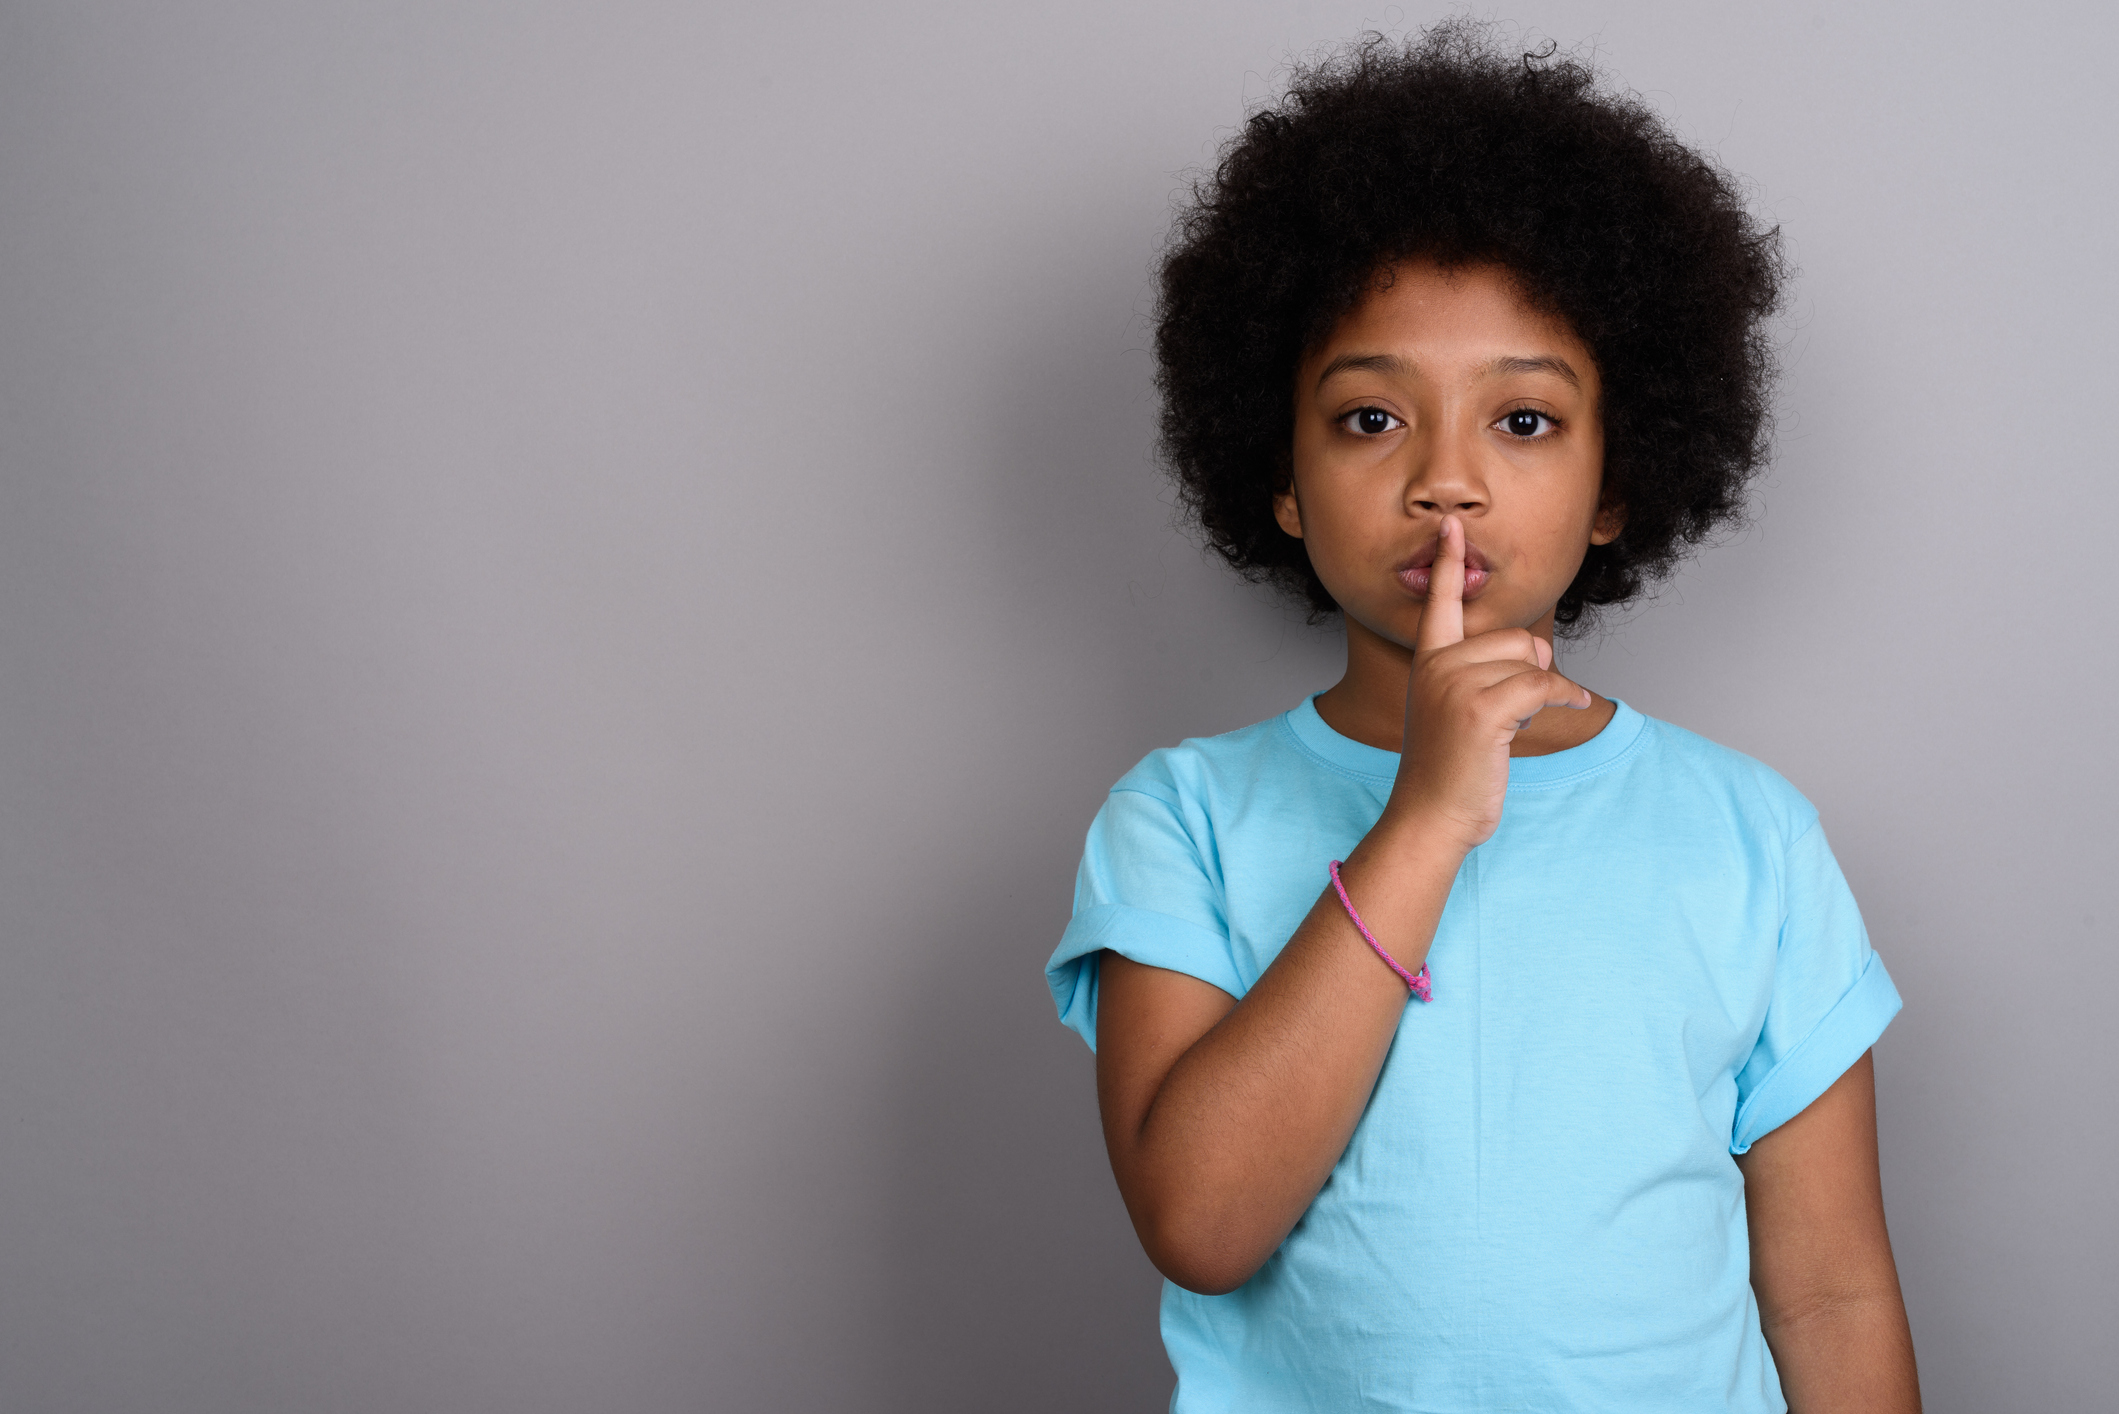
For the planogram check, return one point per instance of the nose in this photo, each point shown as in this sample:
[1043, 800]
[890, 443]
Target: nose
[1444, 477]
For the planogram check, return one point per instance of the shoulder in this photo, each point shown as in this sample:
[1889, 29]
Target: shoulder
[1202, 769]
[1758, 796]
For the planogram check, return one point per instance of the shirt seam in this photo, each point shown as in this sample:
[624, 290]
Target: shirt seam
[1211, 874]
[1174, 801]
[1788, 853]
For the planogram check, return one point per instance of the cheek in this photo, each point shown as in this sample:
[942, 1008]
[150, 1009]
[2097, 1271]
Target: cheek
[1582, 501]
[1561, 527]
[1342, 515]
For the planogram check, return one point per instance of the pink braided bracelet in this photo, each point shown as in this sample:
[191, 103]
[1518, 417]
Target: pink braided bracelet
[1422, 985]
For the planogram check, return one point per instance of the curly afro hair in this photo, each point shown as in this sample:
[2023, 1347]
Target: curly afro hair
[1447, 147]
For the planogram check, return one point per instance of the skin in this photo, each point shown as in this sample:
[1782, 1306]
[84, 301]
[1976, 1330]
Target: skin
[1447, 414]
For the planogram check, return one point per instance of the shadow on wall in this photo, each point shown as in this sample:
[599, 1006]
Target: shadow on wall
[1018, 1277]
[1019, 1283]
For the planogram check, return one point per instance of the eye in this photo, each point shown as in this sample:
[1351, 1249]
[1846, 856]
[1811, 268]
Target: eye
[1370, 422]
[1527, 423]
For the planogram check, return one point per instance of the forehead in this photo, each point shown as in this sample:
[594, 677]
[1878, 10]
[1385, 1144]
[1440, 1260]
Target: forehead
[1465, 315]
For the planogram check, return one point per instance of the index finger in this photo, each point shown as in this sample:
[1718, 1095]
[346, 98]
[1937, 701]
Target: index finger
[1442, 621]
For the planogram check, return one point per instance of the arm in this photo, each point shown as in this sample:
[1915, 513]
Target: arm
[1821, 1263]
[1224, 1118]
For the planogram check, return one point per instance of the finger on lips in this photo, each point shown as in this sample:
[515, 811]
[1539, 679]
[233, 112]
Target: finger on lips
[1442, 627]
[1442, 619]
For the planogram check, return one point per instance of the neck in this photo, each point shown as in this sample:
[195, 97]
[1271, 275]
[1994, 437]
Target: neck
[1368, 703]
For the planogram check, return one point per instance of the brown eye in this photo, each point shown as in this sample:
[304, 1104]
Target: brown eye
[1370, 422]
[1525, 423]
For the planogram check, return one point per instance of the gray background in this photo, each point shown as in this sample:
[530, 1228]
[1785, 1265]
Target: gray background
[572, 576]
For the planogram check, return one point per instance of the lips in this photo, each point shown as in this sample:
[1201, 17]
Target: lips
[1417, 570]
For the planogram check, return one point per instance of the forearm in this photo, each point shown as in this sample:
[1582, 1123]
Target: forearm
[1247, 1124]
[1851, 1357]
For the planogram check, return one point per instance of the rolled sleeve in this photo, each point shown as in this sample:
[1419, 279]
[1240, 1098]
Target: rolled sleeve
[1146, 892]
[1831, 997]
[1822, 1057]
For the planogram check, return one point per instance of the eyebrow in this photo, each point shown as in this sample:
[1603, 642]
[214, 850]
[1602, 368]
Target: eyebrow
[1396, 366]
[1546, 363]
[1361, 363]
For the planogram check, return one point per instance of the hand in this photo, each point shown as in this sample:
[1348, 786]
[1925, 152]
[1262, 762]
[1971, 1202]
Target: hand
[1464, 704]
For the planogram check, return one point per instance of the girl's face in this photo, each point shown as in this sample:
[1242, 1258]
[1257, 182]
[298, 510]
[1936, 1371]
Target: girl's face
[1445, 393]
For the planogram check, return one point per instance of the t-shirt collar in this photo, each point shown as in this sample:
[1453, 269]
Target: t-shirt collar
[1364, 760]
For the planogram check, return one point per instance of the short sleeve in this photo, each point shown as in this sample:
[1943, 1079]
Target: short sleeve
[1144, 891]
[1831, 996]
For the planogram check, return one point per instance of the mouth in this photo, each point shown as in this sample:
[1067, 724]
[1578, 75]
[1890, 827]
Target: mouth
[1416, 571]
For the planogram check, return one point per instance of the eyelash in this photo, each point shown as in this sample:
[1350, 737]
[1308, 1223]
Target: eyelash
[1347, 422]
[1554, 423]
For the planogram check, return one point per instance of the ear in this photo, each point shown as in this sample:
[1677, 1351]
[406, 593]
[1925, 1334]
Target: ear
[1611, 519]
[1287, 512]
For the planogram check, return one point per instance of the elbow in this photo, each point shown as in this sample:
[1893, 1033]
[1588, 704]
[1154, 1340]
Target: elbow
[1202, 1274]
[1206, 1229]
[1205, 1282]
[1202, 1257]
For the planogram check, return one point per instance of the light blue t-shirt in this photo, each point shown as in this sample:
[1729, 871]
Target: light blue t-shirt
[1654, 961]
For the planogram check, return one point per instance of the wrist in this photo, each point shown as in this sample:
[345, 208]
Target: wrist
[1407, 828]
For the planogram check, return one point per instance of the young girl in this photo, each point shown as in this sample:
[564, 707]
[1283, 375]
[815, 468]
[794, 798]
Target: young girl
[1466, 1040]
